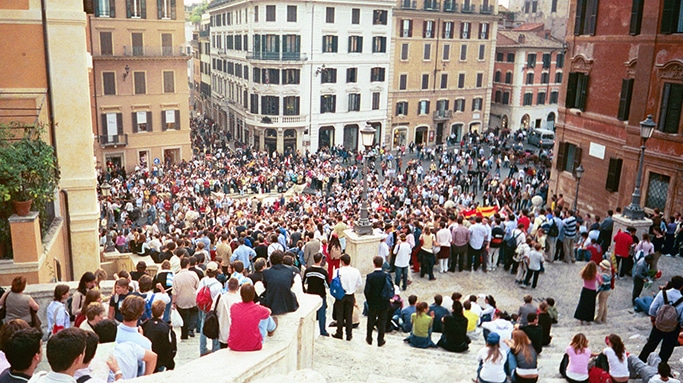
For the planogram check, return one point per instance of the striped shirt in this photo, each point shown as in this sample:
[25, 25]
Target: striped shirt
[569, 227]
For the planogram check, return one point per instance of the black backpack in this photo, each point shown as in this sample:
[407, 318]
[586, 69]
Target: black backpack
[211, 327]
[553, 230]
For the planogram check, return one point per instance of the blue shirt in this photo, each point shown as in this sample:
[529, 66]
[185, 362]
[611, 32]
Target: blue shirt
[406, 313]
[672, 296]
[244, 254]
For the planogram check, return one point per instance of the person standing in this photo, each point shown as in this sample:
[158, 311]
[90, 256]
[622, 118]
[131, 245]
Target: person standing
[605, 288]
[585, 310]
[315, 282]
[185, 285]
[479, 238]
[670, 294]
[377, 305]
[443, 238]
[570, 234]
[402, 261]
[623, 241]
[278, 281]
[426, 253]
[460, 237]
[350, 281]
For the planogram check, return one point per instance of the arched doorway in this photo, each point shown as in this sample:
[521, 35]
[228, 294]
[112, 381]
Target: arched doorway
[524, 123]
[504, 122]
[325, 137]
[475, 127]
[270, 141]
[421, 135]
[400, 136]
[550, 124]
[257, 141]
[378, 133]
[290, 141]
[456, 129]
[351, 137]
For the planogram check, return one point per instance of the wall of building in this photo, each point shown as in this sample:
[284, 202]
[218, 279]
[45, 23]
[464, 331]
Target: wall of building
[552, 13]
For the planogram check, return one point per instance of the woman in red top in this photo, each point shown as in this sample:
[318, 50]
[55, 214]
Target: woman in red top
[623, 242]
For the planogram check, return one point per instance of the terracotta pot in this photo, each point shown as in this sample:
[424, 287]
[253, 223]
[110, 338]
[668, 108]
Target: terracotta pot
[22, 207]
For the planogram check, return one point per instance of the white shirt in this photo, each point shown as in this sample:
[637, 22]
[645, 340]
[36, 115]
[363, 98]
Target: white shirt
[402, 251]
[350, 279]
[383, 250]
[618, 369]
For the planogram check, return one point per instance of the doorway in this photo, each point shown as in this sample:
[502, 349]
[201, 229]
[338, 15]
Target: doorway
[325, 137]
[421, 135]
[171, 156]
[270, 141]
[290, 141]
[351, 137]
[439, 133]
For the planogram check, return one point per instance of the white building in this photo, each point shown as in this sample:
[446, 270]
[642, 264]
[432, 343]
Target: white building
[300, 75]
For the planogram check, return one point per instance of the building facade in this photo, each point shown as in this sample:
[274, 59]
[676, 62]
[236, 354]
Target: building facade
[141, 99]
[623, 63]
[553, 14]
[441, 73]
[300, 76]
[203, 94]
[526, 80]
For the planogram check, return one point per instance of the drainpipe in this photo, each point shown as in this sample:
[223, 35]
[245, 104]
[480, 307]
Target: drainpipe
[70, 255]
[48, 76]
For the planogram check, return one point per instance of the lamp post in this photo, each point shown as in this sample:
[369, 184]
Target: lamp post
[633, 210]
[579, 173]
[363, 227]
[105, 189]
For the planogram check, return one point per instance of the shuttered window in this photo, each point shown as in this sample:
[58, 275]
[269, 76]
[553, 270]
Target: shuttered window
[625, 99]
[613, 175]
[577, 89]
[140, 83]
[169, 82]
[109, 83]
[636, 17]
[106, 46]
[586, 17]
[670, 111]
[568, 157]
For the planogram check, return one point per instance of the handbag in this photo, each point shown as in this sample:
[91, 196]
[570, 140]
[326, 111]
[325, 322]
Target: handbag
[35, 320]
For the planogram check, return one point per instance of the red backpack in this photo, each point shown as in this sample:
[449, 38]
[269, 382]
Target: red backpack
[598, 375]
[204, 299]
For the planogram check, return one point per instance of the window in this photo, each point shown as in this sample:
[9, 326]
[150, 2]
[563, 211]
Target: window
[425, 81]
[406, 28]
[138, 48]
[554, 95]
[444, 80]
[253, 104]
[106, 45]
[351, 74]
[257, 75]
[329, 15]
[546, 61]
[270, 13]
[427, 52]
[540, 98]
[328, 76]
[330, 44]
[613, 174]
[672, 17]
[423, 107]
[135, 9]
[558, 77]
[140, 83]
[402, 81]
[447, 32]
[463, 52]
[484, 31]
[496, 77]
[379, 44]
[498, 96]
[587, 15]
[459, 105]
[506, 98]
[377, 74]
[142, 121]
[402, 108]
[170, 119]
[670, 109]
[256, 17]
[465, 30]
[568, 157]
[290, 76]
[109, 83]
[534, 6]
[166, 9]
[104, 8]
[527, 7]
[577, 89]
[328, 103]
[446, 52]
[461, 80]
[530, 78]
[428, 29]
[480, 80]
[355, 44]
[270, 105]
[559, 61]
[499, 56]
[290, 106]
[291, 47]
[625, 99]
[379, 17]
[531, 60]
[230, 42]
[528, 99]
[375, 100]
[291, 13]
[354, 102]
[169, 81]
[553, 6]
[404, 51]
[657, 191]
[476, 104]
[545, 78]
[510, 57]
[355, 16]
[482, 51]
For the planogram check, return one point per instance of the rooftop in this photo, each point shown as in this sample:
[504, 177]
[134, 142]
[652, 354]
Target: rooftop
[520, 39]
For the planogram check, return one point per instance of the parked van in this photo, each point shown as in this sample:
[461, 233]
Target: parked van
[541, 138]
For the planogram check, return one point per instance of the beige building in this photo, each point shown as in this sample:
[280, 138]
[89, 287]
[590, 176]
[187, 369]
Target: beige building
[141, 98]
[553, 14]
[440, 80]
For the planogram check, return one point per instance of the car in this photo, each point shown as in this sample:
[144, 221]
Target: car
[541, 138]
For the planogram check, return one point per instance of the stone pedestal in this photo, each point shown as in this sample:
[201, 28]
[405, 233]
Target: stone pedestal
[27, 244]
[621, 223]
[362, 249]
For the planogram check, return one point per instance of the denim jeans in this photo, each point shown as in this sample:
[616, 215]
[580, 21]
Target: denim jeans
[189, 320]
[401, 276]
[322, 316]
[203, 350]
[265, 326]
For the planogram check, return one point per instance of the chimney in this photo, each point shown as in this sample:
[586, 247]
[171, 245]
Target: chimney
[521, 39]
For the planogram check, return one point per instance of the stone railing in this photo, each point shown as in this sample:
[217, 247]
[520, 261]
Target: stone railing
[290, 348]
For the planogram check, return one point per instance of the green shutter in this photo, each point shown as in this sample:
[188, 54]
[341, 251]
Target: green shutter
[160, 8]
[625, 99]
[143, 9]
[149, 121]
[592, 16]
[561, 154]
[177, 119]
[636, 17]
[578, 21]
[103, 130]
[173, 13]
[134, 118]
[668, 16]
[129, 6]
[613, 175]
[582, 90]
[570, 101]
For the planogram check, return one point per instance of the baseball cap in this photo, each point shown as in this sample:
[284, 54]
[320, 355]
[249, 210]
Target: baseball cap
[213, 266]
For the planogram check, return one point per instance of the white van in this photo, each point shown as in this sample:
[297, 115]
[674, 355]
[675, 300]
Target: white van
[541, 138]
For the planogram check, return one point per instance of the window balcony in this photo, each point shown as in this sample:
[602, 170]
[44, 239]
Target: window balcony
[432, 5]
[450, 6]
[277, 56]
[442, 115]
[154, 51]
[486, 10]
[276, 121]
[114, 141]
[469, 8]
[408, 4]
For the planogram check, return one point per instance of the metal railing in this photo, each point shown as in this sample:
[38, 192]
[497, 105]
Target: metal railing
[118, 140]
[264, 119]
[277, 56]
[469, 8]
[408, 4]
[486, 10]
[154, 51]
[450, 6]
[431, 5]
[442, 114]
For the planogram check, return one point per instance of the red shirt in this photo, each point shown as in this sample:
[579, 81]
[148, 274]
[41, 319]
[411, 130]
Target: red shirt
[622, 243]
[524, 220]
[244, 331]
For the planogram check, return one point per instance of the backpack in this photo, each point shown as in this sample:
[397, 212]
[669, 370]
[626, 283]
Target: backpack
[204, 299]
[553, 230]
[497, 235]
[387, 289]
[598, 375]
[336, 289]
[667, 316]
[211, 327]
[147, 314]
[512, 242]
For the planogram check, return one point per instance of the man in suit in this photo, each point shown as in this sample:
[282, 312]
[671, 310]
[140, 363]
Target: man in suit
[377, 306]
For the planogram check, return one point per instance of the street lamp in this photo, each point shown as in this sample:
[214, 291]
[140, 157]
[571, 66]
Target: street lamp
[634, 211]
[363, 227]
[105, 188]
[578, 172]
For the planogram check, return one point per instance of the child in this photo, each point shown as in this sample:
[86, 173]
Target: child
[545, 322]
[162, 337]
[552, 310]
[535, 265]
